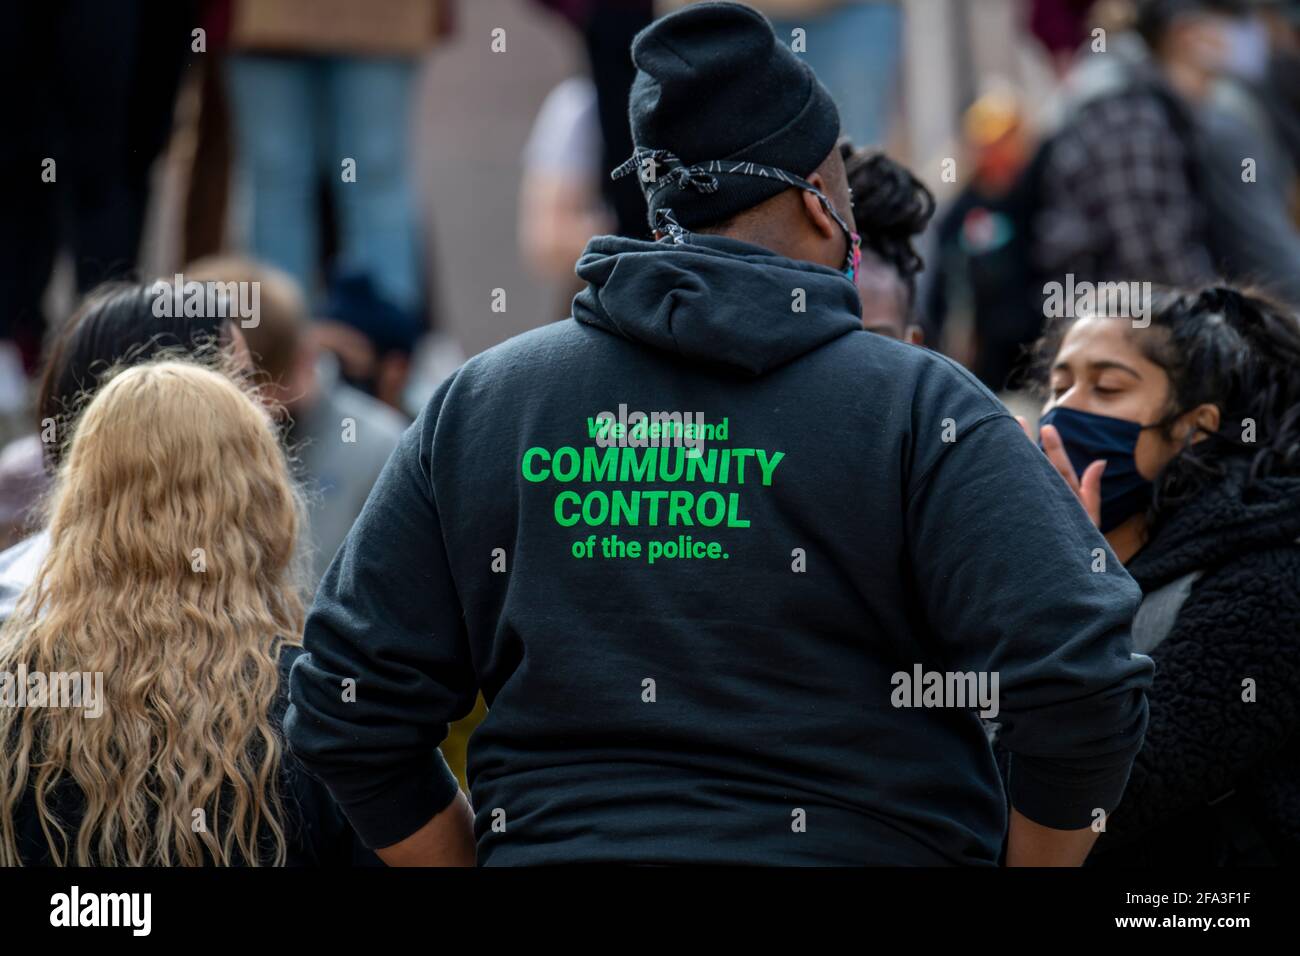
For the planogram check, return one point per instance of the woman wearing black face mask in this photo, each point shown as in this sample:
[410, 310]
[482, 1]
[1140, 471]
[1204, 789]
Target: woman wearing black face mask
[1182, 440]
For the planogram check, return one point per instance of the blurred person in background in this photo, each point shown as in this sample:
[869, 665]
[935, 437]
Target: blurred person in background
[856, 49]
[321, 91]
[1282, 89]
[339, 436]
[23, 480]
[1251, 154]
[184, 645]
[982, 269]
[373, 339]
[88, 91]
[114, 326]
[891, 208]
[1117, 196]
[607, 28]
[1060, 26]
[561, 205]
[1182, 441]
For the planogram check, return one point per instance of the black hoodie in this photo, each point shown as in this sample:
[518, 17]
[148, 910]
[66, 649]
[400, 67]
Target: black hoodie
[862, 509]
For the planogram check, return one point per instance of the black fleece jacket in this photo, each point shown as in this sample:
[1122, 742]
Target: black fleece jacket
[862, 509]
[1205, 743]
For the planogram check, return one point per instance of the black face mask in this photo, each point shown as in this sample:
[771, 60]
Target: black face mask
[1087, 438]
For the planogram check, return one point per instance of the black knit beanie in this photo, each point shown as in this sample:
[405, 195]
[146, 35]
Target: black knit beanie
[713, 82]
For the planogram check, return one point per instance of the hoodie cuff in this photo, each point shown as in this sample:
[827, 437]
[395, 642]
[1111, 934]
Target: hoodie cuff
[412, 797]
[1051, 796]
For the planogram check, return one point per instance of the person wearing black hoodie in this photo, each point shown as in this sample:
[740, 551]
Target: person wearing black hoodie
[735, 631]
[1197, 417]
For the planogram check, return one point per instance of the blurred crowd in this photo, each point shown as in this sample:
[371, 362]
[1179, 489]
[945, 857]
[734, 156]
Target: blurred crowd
[1163, 148]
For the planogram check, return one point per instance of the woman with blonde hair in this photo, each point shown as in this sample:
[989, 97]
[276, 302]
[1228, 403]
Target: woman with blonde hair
[116, 325]
[171, 574]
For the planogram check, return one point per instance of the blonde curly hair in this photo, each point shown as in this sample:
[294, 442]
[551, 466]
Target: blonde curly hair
[171, 571]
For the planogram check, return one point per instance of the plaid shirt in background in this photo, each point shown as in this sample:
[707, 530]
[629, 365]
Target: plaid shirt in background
[1118, 198]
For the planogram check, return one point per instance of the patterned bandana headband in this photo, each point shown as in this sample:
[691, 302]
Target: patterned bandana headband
[659, 168]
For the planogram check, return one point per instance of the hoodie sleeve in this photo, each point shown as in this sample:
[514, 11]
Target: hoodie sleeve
[387, 664]
[1003, 557]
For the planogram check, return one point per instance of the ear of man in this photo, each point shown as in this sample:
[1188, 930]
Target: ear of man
[818, 218]
[831, 179]
[794, 223]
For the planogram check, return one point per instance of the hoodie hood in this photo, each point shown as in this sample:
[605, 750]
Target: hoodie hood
[715, 300]
[1222, 523]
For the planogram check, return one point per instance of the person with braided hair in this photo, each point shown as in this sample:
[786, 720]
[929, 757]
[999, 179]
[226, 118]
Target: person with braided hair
[1182, 440]
[891, 208]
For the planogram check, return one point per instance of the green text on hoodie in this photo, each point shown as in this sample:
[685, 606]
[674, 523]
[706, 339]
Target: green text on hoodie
[719, 650]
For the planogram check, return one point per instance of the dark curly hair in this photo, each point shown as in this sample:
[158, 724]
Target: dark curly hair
[1223, 346]
[891, 207]
[115, 325]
